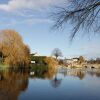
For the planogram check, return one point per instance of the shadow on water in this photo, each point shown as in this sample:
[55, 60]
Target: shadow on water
[13, 82]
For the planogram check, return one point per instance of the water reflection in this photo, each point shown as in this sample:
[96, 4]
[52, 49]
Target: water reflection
[56, 82]
[13, 83]
[80, 73]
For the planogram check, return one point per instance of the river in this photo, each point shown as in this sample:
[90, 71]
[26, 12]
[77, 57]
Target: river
[70, 84]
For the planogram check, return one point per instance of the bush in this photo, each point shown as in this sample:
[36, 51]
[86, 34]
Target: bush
[38, 59]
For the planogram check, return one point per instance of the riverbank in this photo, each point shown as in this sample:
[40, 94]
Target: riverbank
[3, 67]
[96, 66]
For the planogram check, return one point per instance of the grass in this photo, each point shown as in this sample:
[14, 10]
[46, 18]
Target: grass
[3, 67]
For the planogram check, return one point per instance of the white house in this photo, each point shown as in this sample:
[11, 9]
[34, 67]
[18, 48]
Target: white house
[75, 59]
[68, 61]
[32, 62]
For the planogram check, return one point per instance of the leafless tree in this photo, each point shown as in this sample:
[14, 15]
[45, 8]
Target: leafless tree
[57, 53]
[83, 14]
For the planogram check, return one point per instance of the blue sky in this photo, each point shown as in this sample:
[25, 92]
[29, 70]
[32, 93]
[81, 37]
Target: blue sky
[30, 19]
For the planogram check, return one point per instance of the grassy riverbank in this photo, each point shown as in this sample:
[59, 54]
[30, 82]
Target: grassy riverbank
[3, 67]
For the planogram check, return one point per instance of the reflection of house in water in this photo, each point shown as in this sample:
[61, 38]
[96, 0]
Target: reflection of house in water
[79, 72]
[12, 84]
[73, 72]
[93, 72]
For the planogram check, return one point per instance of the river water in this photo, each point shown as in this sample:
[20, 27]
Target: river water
[69, 84]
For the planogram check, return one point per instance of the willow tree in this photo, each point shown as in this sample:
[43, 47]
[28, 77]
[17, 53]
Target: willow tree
[82, 14]
[15, 52]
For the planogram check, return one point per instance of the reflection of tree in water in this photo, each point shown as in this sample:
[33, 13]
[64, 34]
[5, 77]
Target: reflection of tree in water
[73, 72]
[56, 82]
[91, 73]
[98, 74]
[80, 74]
[95, 72]
[12, 84]
[43, 72]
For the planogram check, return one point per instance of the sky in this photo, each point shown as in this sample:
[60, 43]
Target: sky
[32, 20]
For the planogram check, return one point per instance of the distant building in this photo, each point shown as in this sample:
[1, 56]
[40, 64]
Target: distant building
[75, 59]
[33, 62]
[37, 59]
[34, 54]
[71, 62]
[68, 61]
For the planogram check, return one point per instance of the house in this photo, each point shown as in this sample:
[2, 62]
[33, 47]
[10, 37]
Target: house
[34, 54]
[38, 59]
[68, 61]
[75, 59]
[33, 62]
[71, 62]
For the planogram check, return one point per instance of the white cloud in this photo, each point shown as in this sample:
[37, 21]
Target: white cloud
[13, 5]
[31, 11]
[28, 21]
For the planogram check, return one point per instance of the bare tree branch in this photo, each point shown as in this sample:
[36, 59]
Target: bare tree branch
[81, 13]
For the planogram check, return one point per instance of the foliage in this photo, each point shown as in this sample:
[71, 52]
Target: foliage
[39, 70]
[45, 67]
[94, 61]
[43, 60]
[51, 62]
[61, 62]
[52, 66]
[81, 59]
[38, 59]
[98, 60]
[14, 51]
